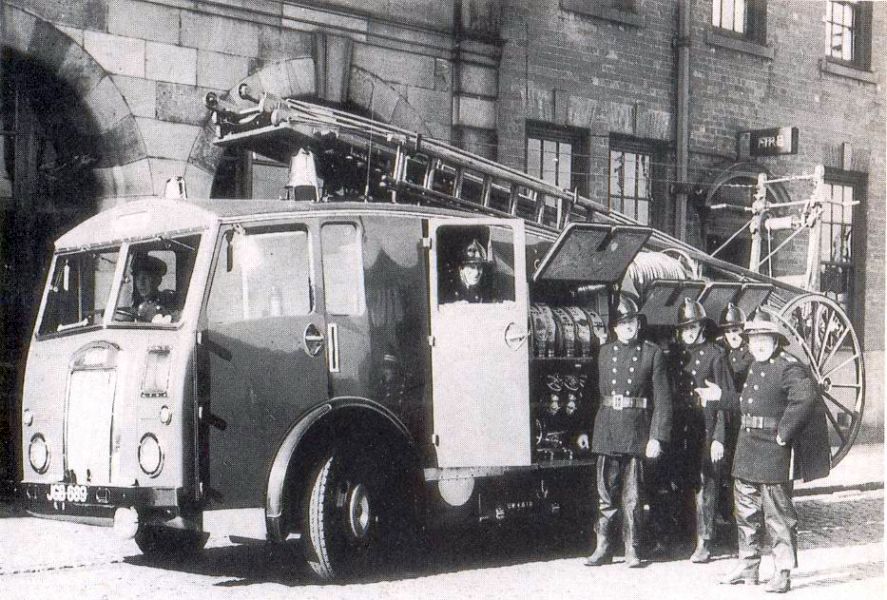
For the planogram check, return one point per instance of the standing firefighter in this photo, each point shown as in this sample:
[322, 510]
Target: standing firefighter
[700, 448]
[782, 424]
[633, 421]
[739, 358]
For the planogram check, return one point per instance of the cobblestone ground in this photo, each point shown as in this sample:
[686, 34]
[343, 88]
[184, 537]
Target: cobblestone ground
[841, 556]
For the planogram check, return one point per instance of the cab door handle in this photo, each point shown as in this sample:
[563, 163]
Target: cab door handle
[312, 340]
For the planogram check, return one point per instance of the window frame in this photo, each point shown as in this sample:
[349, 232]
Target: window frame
[861, 47]
[655, 151]
[858, 183]
[578, 138]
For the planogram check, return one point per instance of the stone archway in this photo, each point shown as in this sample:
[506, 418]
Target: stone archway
[100, 115]
[298, 78]
[732, 185]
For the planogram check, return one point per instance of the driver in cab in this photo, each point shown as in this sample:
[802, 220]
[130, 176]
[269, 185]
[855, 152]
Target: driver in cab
[149, 303]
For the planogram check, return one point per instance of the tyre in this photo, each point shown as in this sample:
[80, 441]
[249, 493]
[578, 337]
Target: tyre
[351, 514]
[165, 543]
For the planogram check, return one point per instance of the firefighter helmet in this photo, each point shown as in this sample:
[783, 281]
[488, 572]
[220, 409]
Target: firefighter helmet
[732, 316]
[626, 309]
[762, 322]
[474, 254]
[690, 312]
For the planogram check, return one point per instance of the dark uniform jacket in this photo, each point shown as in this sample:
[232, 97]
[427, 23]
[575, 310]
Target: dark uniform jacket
[695, 364]
[636, 370]
[780, 389]
[739, 359]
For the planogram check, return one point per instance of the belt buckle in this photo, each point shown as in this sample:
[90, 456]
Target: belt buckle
[618, 402]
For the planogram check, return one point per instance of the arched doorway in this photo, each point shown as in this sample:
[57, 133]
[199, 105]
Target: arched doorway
[724, 216]
[46, 186]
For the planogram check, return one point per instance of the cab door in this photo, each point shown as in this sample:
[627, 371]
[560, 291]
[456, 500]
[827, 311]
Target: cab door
[479, 350]
[262, 353]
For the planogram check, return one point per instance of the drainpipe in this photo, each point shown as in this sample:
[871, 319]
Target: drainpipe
[682, 43]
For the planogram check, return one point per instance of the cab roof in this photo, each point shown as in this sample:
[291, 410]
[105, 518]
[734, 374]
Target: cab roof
[148, 217]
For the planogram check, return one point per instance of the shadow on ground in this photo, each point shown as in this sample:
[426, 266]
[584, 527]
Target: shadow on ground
[823, 524]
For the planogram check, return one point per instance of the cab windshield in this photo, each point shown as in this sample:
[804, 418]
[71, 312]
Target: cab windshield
[78, 290]
[155, 281]
[152, 290]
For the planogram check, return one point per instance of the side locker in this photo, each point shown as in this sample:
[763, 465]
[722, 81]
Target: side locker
[479, 349]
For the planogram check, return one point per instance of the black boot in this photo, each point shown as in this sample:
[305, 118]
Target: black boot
[781, 582]
[743, 572]
[601, 555]
[702, 554]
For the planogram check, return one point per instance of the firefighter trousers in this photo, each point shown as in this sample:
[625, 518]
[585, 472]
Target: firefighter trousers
[707, 500]
[766, 504]
[619, 481]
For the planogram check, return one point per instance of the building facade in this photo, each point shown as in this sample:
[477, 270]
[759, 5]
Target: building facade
[643, 105]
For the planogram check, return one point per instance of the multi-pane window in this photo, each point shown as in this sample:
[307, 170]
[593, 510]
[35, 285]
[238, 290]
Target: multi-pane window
[836, 252]
[729, 14]
[555, 155]
[743, 18]
[631, 183]
[848, 31]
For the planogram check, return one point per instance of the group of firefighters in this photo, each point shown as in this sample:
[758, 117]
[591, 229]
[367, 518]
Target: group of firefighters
[742, 403]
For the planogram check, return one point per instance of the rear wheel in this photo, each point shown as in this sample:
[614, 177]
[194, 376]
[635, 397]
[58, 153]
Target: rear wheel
[158, 542]
[350, 514]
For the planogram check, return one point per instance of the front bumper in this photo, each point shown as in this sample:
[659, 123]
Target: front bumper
[95, 504]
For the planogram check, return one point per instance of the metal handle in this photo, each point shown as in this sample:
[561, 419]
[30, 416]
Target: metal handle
[312, 340]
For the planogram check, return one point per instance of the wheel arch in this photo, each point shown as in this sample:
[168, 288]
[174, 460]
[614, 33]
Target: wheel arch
[338, 419]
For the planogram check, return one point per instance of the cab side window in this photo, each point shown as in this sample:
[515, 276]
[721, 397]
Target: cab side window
[342, 269]
[475, 264]
[261, 275]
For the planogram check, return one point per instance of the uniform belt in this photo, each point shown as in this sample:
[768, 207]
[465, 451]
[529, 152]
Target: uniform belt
[758, 422]
[618, 402]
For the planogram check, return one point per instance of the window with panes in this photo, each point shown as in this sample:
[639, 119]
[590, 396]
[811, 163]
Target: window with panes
[837, 259]
[631, 180]
[743, 18]
[557, 155]
[848, 32]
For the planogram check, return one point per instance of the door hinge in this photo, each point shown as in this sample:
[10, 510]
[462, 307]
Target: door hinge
[435, 439]
[431, 340]
[426, 243]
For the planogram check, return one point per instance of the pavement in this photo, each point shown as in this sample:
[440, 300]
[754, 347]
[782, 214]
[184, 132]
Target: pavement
[861, 469]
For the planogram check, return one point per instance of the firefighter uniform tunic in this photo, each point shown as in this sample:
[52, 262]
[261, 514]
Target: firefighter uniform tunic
[696, 428]
[635, 407]
[779, 398]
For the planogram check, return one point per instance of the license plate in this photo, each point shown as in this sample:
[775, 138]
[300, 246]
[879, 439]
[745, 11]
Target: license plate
[60, 492]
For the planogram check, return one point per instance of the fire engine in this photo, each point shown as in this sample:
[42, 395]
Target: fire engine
[304, 367]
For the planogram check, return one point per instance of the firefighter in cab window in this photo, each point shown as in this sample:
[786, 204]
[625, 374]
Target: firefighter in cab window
[783, 436]
[149, 303]
[699, 449]
[469, 280]
[632, 422]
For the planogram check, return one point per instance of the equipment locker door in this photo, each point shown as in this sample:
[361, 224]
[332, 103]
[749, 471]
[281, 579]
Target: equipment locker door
[479, 350]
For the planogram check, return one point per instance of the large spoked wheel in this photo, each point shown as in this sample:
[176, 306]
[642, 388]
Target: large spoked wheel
[350, 514]
[821, 333]
[165, 543]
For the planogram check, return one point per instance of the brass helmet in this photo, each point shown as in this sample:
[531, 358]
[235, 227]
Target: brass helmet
[762, 322]
[626, 309]
[732, 316]
[690, 312]
[474, 254]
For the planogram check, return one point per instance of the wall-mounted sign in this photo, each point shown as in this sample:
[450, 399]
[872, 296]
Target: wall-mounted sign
[773, 142]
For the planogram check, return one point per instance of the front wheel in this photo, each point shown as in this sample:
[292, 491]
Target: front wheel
[165, 543]
[350, 514]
